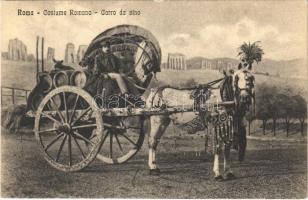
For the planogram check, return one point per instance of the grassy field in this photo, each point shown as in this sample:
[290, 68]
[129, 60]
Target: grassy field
[270, 170]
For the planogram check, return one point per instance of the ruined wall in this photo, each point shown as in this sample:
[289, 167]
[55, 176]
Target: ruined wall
[70, 56]
[176, 61]
[80, 53]
[17, 50]
[50, 53]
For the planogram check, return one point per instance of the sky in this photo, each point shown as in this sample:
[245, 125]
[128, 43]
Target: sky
[197, 28]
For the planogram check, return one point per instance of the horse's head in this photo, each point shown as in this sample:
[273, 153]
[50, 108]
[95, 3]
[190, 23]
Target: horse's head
[238, 86]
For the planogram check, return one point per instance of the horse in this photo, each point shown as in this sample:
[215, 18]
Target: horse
[233, 87]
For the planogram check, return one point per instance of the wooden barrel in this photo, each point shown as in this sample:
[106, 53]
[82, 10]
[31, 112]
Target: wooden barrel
[79, 78]
[61, 78]
[45, 82]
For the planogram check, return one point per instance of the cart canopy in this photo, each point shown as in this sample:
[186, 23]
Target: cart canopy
[135, 46]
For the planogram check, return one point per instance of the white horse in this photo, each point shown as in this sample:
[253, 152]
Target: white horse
[224, 128]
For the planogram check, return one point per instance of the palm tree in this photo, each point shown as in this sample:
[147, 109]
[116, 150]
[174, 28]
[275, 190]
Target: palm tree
[251, 53]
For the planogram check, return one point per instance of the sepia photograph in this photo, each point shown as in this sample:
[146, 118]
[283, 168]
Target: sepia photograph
[158, 99]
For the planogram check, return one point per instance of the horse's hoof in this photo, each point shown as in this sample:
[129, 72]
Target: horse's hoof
[218, 178]
[154, 172]
[230, 176]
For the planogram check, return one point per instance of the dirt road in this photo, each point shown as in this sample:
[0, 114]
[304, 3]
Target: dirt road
[266, 173]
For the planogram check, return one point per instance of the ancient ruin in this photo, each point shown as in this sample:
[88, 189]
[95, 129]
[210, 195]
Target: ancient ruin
[70, 53]
[176, 61]
[17, 50]
[81, 50]
[50, 53]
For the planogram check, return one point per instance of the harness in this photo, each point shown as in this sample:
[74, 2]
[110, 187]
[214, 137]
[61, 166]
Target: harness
[198, 87]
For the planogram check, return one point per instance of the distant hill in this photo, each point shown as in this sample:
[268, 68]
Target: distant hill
[296, 68]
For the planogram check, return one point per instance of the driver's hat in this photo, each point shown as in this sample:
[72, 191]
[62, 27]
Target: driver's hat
[105, 44]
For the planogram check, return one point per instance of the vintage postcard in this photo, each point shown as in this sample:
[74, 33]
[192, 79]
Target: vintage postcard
[154, 99]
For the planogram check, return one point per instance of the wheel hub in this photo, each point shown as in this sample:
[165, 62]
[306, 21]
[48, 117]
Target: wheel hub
[65, 128]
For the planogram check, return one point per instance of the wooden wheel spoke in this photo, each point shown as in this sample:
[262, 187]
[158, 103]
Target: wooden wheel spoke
[92, 136]
[127, 138]
[118, 141]
[51, 118]
[110, 146]
[79, 147]
[69, 146]
[84, 126]
[140, 57]
[74, 109]
[124, 150]
[48, 130]
[81, 115]
[61, 147]
[57, 110]
[65, 107]
[53, 141]
[131, 127]
[105, 137]
[127, 101]
[83, 138]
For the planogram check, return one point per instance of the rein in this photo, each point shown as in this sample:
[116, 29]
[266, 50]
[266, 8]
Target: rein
[200, 86]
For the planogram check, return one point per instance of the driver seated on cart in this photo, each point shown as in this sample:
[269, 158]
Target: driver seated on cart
[107, 66]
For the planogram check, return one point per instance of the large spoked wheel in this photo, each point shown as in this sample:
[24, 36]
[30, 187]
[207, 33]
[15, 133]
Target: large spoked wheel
[64, 125]
[122, 140]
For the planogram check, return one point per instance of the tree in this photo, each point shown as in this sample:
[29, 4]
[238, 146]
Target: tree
[275, 106]
[287, 110]
[263, 92]
[300, 110]
[251, 53]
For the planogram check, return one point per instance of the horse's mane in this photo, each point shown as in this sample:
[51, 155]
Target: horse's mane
[226, 89]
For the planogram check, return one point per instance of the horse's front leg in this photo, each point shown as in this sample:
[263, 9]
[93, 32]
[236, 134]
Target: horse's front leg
[227, 162]
[158, 127]
[242, 141]
[217, 151]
